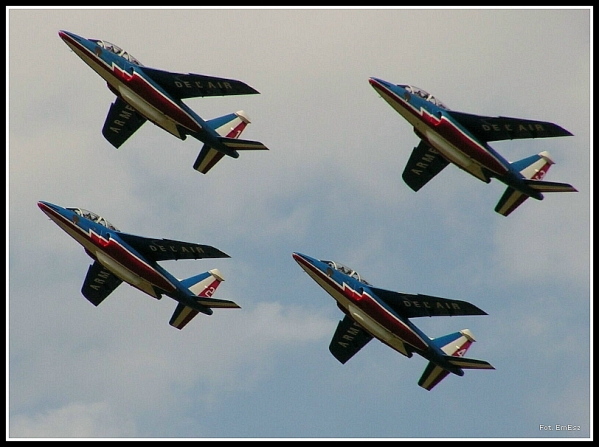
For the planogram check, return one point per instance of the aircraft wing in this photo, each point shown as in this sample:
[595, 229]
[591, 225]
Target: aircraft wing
[122, 122]
[411, 306]
[167, 249]
[99, 283]
[190, 85]
[495, 128]
[424, 163]
[348, 339]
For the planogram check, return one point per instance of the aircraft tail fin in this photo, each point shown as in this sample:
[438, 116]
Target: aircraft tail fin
[454, 346]
[229, 127]
[533, 168]
[203, 286]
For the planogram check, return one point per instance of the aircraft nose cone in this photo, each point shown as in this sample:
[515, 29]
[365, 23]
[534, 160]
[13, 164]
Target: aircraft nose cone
[65, 35]
[300, 258]
[45, 207]
[42, 205]
[303, 260]
[374, 82]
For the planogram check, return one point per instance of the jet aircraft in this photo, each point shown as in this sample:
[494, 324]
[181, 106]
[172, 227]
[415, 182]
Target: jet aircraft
[144, 93]
[134, 259]
[460, 138]
[371, 312]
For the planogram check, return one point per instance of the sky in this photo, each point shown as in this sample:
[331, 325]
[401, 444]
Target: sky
[330, 187]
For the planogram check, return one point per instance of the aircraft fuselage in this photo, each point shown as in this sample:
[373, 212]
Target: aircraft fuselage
[372, 314]
[444, 134]
[106, 247]
[129, 82]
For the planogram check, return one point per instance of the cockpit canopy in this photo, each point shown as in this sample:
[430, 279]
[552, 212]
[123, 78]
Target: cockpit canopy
[93, 217]
[346, 270]
[117, 50]
[424, 95]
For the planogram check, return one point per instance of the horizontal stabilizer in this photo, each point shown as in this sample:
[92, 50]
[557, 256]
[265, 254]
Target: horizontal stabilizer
[203, 287]
[209, 155]
[466, 363]
[237, 144]
[544, 186]
[432, 375]
[510, 200]
[207, 158]
[217, 304]
[184, 314]
[229, 126]
[533, 169]
[454, 346]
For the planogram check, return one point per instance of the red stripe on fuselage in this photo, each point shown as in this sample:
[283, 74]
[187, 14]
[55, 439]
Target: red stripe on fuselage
[131, 262]
[146, 90]
[467, 144]
[387, 319]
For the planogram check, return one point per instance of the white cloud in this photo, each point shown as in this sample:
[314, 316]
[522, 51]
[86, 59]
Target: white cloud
[74, 420]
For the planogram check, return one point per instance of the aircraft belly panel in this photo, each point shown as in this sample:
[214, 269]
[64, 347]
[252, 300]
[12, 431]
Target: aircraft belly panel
[449, 151]
[148, 111]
